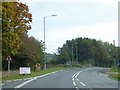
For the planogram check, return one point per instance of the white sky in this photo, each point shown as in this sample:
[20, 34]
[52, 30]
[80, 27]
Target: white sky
[96, 19]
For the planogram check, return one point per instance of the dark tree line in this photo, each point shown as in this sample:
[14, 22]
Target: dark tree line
[87, 51]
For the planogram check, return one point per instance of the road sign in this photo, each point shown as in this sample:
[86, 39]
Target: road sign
[24, 70]
[8, 58]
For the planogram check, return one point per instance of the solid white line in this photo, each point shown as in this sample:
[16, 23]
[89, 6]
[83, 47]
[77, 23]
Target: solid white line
[18, 80]
[74, 83]
[9, 81]
[82, 83]
[34, 78]
[15, 80]
[24, 83]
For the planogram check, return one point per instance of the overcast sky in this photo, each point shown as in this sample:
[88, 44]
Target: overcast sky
[96, 19]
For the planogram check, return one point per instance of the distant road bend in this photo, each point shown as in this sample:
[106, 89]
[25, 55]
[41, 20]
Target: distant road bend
[77, 78]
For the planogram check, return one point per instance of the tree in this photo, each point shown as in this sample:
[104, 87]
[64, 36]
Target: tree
[89, 51]
[29, 54]
[15, 21]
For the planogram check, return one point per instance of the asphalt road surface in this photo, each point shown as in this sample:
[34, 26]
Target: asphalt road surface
[77, 78]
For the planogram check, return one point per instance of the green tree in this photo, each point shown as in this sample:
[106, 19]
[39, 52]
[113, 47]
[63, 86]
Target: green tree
[89, 51]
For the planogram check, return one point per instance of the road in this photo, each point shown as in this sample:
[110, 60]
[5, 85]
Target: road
[77, 78]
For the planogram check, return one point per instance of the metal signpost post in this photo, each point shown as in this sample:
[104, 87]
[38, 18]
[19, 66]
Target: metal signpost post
[9, 59]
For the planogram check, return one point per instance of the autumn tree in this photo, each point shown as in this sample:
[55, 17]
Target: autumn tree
[15, 21]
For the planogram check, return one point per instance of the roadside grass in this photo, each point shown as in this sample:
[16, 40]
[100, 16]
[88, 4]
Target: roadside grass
[115, 76]
[113, 69]
[115, 73]
[15, 74]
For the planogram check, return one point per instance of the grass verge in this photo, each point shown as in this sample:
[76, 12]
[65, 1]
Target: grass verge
[15, 74]
[115, 76]
[115, 73]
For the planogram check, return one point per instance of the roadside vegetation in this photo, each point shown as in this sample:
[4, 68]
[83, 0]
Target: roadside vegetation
[15, 74]
[115, 73]
[27, 51]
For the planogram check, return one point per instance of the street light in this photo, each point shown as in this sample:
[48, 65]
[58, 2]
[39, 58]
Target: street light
[44, 41]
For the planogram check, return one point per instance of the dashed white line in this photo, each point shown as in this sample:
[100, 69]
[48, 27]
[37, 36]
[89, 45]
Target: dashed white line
[91, 89]
[77, 79]
[74, 83]
[82, 83]
[73, 79]
[77, 88]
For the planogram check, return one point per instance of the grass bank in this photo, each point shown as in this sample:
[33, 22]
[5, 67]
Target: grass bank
[115, 73]
[15, 74]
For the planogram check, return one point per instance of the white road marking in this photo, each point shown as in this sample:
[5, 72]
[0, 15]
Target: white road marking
[77, 74]
[82, 83]
[74, 75]
[77, 88]
[15, 80]
[1, 84]
[34, 78]
[9, 81]
[18, 86]
[18, 80]
[77, 79]
[73, 79]
[91, 89]
[74, 83]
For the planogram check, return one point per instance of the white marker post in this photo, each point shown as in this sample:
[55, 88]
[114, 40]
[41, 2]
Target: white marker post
[9, 59]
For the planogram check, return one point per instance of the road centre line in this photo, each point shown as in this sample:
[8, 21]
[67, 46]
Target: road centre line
[77, 79]
[82, 83]
[74, 83]
[76, 75]
[77, 88]
[73, 79]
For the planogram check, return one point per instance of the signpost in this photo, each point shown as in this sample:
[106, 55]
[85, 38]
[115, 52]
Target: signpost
[8, 59]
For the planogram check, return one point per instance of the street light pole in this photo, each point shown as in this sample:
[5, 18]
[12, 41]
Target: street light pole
[44, 47]
[44, 42]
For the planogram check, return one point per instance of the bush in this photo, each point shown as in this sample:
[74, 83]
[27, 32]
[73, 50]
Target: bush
[76, 64]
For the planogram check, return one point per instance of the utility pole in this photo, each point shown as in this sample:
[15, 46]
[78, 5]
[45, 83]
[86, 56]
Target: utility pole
[114, 53]
[72, 53]
[76, 52]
